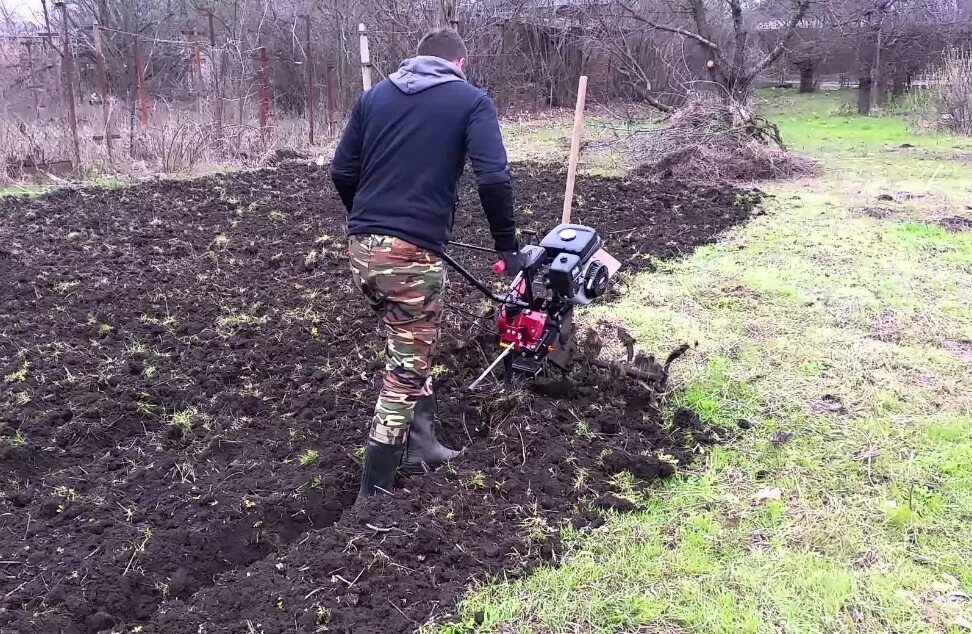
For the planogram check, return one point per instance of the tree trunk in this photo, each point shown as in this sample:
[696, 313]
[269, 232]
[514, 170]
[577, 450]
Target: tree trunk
[806, 78]
[864, 93]
[865, 74]
[877, 87]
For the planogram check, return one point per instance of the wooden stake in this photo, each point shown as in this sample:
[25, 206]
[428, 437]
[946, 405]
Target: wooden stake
[264, 96]
[330, 97]
[33, 79]
[309, 68]
[103, 88]
[365, 57]
[69, 84]
[143, 113]
[575, 138]
[215, 69]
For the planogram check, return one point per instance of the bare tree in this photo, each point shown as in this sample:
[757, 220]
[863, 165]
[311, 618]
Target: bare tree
[725, 32]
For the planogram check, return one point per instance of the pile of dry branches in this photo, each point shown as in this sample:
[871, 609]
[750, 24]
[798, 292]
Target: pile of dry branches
[710, 140]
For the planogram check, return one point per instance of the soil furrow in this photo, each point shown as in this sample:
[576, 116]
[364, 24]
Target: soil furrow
[187, 377]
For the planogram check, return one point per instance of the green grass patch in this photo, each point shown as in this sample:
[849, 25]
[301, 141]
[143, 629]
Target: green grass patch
[846, 507]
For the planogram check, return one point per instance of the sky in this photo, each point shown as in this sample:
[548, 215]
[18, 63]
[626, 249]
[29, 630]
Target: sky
[22, 8]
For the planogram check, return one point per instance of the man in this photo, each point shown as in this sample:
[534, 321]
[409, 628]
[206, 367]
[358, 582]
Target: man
[397, 169]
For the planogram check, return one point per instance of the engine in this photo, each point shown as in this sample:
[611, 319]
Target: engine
[573, 271]
[568, 268]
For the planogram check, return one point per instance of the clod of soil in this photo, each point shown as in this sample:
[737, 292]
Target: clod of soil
[187, 378]
[956, 224]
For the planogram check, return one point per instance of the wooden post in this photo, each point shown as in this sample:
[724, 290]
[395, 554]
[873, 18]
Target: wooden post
[140, 86]
[215, 68]
[330, 98]
[311, 97]
[264, 96]
[103, 89]
[575, 138]
[212, 28]
[69, 84]
[32, 77]
[197, 61]
[134, 99]
[365, 57]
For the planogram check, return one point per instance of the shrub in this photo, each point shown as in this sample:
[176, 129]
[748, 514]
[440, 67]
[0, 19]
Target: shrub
[951, 84]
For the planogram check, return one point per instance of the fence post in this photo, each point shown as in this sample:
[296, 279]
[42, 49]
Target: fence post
[365, 56]
[264, 96]
[32, 77]
[215, 68]
[330, 98]
[311, 97]
[134, 97]
[69, 84]
[103, 89]
[140, 86]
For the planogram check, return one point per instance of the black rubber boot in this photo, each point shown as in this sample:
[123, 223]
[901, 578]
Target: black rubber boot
[423, 451]
[379, 467]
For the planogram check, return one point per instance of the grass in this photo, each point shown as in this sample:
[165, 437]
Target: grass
[891, 147]
[184, 419]
[307, 458]
[547, 139]
[37, 189]
[834, 327]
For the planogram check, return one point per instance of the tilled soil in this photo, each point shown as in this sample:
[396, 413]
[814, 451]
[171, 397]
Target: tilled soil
[186, 379]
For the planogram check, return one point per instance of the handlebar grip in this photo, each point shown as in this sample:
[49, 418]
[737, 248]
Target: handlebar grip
[499, 267]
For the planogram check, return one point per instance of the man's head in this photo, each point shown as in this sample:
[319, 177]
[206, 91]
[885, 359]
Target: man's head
[444, 43]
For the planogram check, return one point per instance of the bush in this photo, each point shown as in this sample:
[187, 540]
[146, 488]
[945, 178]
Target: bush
[951, 84]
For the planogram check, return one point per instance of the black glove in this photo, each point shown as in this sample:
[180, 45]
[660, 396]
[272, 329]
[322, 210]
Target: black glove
[346, 191]
[497, 200]
[514, 261]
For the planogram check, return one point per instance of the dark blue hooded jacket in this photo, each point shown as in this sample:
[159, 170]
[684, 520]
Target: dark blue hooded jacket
[399, 161]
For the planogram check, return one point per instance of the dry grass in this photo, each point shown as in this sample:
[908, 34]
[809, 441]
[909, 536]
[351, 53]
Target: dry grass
[178, 139]
[952, 87]
[709, 141]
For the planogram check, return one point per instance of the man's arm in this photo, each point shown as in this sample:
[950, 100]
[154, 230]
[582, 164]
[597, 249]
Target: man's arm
[484, 144]
[346, 166]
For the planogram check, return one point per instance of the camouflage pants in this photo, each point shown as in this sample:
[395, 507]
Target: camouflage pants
[403, 284]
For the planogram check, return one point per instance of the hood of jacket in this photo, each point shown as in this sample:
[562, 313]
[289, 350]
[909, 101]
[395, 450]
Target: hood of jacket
[423, 72]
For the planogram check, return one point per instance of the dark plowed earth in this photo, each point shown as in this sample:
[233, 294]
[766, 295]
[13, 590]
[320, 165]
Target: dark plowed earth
[187, 377]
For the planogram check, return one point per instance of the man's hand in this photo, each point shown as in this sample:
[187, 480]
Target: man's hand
[513, 262]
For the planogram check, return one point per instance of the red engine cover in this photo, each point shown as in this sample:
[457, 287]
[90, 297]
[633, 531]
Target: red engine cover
[524, 330]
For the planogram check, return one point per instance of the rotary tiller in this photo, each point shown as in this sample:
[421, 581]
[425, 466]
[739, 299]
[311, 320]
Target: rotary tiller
[535, 321]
